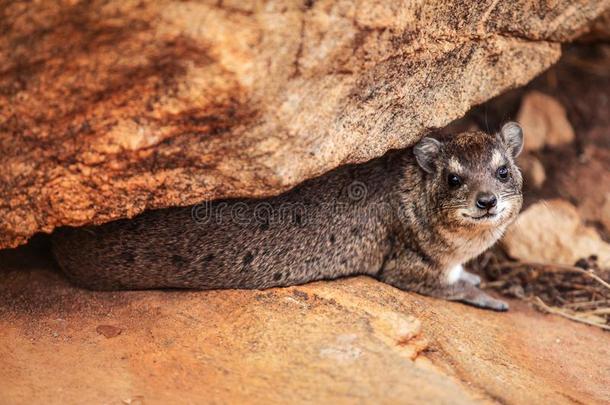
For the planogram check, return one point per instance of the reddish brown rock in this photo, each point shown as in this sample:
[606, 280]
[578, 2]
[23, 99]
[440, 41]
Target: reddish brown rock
[586, 180]
[545, 122]
[553, 232]
[110, 108]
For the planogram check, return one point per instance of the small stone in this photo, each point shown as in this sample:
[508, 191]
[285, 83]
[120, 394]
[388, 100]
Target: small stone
[108, 331]
[552, 232]
[544, 122]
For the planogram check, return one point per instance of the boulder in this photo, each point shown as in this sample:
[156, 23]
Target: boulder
[544, 121]
[110, 108]
[552, 232]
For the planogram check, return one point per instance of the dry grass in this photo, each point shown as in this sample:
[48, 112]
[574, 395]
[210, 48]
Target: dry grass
[580, 293]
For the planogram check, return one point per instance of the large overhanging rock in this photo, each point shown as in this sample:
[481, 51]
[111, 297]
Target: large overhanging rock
[110, 108]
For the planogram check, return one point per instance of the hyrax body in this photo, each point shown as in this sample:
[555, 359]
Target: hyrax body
[410, 219]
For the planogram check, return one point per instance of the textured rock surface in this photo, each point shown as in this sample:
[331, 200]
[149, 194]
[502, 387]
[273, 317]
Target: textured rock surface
[553, 232]
[109, 108]
[599, 30]
[350, 341]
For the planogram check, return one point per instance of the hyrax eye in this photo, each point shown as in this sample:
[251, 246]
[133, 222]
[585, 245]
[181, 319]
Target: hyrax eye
[454, 180]
[502, 173]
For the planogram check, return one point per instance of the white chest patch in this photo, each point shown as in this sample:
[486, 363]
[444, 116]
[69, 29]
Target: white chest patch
[454, 274]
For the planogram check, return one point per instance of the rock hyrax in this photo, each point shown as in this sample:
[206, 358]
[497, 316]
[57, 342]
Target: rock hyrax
[411, 219]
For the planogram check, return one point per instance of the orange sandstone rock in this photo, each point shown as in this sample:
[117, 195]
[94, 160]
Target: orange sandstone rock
[110, 108]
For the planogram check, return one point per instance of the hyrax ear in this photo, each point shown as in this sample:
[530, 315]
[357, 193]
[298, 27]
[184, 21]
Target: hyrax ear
[426, 152]
[511, 135]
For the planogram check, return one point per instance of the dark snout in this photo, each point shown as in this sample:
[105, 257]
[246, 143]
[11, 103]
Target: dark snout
[486, 201]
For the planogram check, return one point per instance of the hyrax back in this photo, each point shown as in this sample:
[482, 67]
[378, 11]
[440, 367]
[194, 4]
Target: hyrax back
[410, 218]
[312, 232]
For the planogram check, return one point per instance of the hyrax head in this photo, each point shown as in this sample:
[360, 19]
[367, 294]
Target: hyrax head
[472, 178]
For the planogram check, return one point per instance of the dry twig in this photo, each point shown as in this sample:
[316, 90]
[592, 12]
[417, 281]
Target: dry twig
[580, 293]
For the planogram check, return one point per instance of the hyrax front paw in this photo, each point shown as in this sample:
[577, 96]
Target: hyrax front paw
[483, 300]
[470, 278]
[468, 293]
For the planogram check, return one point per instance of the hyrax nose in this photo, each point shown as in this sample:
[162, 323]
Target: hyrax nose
[486, 201]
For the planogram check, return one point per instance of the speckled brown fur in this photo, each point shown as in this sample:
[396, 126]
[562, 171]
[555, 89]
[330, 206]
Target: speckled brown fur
[395, 218]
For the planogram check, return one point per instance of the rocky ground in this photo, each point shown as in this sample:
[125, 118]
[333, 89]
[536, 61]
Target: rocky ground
[350, 341]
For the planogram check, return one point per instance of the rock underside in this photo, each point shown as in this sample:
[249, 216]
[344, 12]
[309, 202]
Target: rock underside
[108, 108]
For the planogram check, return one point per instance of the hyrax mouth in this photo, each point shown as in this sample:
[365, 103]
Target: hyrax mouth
[486, 215]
